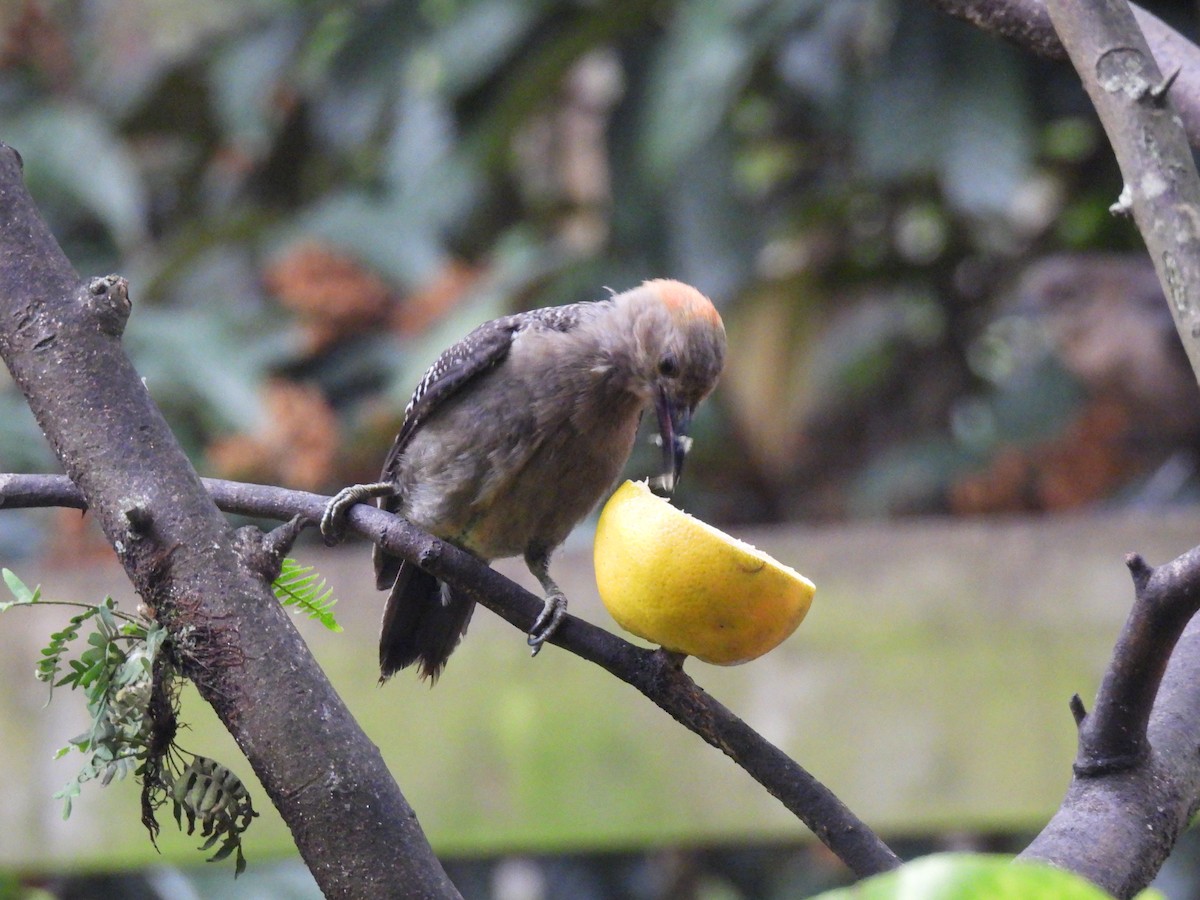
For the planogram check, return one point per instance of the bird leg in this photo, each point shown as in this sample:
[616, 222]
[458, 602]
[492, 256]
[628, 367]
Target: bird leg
[555, 608]
[333, 519]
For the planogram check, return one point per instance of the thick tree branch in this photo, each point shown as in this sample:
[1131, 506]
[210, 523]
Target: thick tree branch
[1137, 775]
[60, 340]
[1136, 106]
[1027, 24]
[652, 672]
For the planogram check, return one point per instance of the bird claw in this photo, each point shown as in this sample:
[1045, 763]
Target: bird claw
[547, 622]
[333, 518]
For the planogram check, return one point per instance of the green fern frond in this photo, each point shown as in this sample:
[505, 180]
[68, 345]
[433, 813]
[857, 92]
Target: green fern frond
[208, 791]
[130, 686]
[54, 653]
[301, 587]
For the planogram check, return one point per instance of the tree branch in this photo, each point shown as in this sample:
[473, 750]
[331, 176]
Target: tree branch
[1113, 737]
[60, 339]
[1027, 24]
[1137, 775]
[652, 672]
[1162, 189]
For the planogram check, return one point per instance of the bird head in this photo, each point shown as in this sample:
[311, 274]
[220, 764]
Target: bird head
[679, 352]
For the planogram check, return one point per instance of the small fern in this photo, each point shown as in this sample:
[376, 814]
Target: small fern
[128, 674]
[300, 586]
[114, 673]
[52, 654]
[208, 791]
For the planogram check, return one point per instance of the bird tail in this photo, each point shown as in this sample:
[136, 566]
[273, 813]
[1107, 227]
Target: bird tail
[422, 623]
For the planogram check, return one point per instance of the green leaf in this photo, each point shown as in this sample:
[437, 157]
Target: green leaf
[19, 590]
[243, 71]
[155, 635]
[222, 852]
[974, 876]
[301, 587]
[110, 186]
[107, 622]
[239, 865]
[133, 669]
[699, 69]
[204, 362]
[922, 113]
[69, 791]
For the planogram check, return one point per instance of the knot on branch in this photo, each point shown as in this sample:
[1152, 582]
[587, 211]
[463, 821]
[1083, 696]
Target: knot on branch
[430, 554]
[139, 519]
[16, 155]
[107, 298]
[1123, 70]
[664, 669]
[263, 553]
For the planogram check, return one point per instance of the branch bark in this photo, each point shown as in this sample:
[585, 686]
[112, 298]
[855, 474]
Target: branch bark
[1136, 107]
[1137, 775]
[60, 338]
[653, 673]
[1114, 737]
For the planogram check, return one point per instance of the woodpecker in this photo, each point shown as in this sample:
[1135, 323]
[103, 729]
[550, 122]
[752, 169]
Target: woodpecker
[514, 435]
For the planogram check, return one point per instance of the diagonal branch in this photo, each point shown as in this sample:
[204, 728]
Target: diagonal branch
[651, 672]
[60, 338]
[1135, 103]
[1137, 775]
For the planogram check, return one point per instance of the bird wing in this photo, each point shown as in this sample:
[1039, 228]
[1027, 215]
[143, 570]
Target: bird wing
[480, 351]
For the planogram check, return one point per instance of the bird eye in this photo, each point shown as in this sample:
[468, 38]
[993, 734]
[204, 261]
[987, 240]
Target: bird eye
[668, 366]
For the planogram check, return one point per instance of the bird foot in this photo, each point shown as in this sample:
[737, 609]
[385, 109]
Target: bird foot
[333, 519]
[547, 622]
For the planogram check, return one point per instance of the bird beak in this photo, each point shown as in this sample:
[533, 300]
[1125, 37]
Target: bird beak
[673, 419]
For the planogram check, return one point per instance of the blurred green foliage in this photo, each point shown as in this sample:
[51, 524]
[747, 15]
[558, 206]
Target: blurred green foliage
[975, 876]
[858, 184]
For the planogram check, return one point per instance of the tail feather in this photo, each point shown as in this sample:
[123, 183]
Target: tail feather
[387, 567]
[422, 623]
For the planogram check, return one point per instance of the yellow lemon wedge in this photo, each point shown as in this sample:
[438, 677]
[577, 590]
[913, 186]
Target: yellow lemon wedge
[681, 583]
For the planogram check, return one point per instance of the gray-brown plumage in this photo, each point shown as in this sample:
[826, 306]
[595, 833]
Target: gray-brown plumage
[514, 435]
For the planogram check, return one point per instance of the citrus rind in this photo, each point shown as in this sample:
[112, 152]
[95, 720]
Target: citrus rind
[679, 582]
